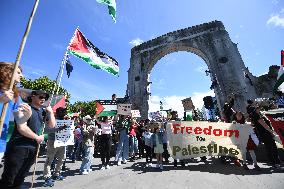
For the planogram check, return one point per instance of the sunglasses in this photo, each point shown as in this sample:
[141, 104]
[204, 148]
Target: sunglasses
[42, 97]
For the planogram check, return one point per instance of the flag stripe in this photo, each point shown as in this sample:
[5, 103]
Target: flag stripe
[111, 7]
[282, 58]
[96, 62]
[279, 81]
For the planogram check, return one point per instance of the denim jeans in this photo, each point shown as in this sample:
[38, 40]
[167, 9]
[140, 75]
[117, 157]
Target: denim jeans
[122, 150]
[133, 145]
[88, 157]
[77, 151]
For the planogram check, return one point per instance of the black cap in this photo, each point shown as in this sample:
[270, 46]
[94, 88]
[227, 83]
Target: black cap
[38, 92]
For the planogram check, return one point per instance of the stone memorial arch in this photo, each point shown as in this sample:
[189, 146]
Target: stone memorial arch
[212, 43]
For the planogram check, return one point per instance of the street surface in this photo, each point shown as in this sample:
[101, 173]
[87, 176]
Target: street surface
[132, 175]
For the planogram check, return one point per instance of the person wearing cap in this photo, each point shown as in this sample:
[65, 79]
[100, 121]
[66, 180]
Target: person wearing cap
[22, 147]
[88, 131]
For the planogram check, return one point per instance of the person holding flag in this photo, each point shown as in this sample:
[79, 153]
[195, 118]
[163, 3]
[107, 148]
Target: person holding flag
[11, 97]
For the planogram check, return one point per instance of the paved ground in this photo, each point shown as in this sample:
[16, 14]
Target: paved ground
[196, 174]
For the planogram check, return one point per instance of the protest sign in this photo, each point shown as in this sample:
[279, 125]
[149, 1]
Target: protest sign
[124, 109]
[135, 113]
[66, 136]
[196, 139]
[155, 115]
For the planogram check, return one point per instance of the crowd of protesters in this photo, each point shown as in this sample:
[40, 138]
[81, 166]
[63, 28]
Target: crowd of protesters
[127, 137]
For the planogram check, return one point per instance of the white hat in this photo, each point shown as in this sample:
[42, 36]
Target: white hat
[87, 117]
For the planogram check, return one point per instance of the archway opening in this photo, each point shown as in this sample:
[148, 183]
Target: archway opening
[177, 76]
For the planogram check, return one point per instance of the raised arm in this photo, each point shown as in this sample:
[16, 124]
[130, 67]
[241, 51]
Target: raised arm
[51, 120]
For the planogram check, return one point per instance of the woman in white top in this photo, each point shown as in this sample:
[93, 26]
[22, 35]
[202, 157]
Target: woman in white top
[105, 141]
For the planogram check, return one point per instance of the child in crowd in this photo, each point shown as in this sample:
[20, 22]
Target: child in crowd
[147, 135]
[157, 139]
[251, 144]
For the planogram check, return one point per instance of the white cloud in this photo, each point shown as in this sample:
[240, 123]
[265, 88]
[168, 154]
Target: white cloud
[276, 20]
[174, 102]
[169, 102]
[136, 42]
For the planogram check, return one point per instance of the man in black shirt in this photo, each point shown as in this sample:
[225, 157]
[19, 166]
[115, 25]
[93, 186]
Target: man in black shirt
[22, 147]
[266, 135]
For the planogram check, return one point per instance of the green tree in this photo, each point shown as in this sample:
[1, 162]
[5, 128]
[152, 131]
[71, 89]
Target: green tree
[45, 84]
[86, 108]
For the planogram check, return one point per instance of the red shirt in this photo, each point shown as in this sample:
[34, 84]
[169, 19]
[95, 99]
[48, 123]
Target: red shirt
[133, 130]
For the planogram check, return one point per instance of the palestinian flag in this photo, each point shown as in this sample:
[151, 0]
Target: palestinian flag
[84, 49]
[111, 7]
[106, 107]
[280, 78]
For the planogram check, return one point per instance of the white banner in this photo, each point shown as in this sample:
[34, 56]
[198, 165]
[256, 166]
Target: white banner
[124, 109]
[196, 139]
[135, 113]
[66, 136]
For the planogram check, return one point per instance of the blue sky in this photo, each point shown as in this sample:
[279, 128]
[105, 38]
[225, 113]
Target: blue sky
[256, 25]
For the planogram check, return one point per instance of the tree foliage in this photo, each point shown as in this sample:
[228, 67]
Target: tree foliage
[43, 83]
[86, 108]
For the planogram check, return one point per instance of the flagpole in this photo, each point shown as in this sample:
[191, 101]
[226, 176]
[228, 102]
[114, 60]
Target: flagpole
[52, 96]
[18, 58]
[57, 84]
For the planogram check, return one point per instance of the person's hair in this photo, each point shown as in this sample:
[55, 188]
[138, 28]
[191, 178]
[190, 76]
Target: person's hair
[249, 101]
[104, 118]
[242, 121]
[6, 72]
[60, 113]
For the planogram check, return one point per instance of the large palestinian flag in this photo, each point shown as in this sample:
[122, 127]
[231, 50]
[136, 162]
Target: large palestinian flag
[81, 47]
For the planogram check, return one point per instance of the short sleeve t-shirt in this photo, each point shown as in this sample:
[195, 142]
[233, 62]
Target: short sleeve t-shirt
[35, 123]
[11, 107]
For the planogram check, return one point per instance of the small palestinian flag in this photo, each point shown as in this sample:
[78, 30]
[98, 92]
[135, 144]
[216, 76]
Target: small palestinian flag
[106, 107]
